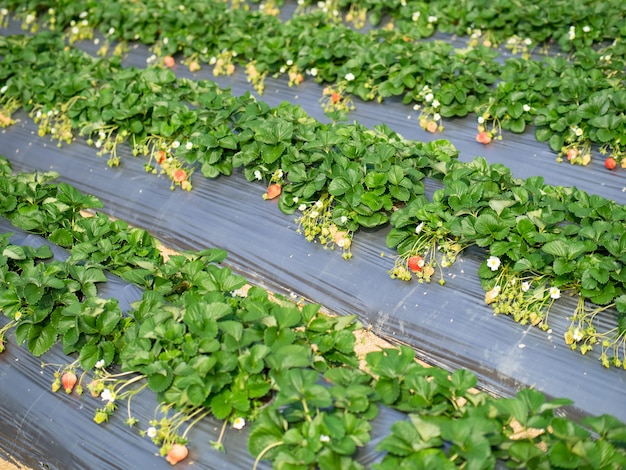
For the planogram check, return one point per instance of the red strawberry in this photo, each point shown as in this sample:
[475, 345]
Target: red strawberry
[169, 61]
[416, 263]
[610, 163]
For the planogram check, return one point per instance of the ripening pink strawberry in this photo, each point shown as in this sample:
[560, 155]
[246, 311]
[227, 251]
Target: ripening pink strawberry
[177, 453]
[68, 381]
[572, 153]
[273, 191]
[180, 176]
[160, 156]
[432, 126]
[483, 137]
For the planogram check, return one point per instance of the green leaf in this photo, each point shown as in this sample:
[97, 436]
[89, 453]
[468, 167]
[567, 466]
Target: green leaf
[70, 338]
[107, 351]
[108, 320]
[518, 125]
[462, 380]
[400, 193]
[87, 275]
[140, 277]
[22, 332]
[160, 376]
[428, 431]
[499, 205]
[274, 131]
[275, 337]
[198, 322]
[14, 252]
[338, 186]
[395, 175]
[196, 394]
[62, 237]
[525, 453]
[602, 296]
[157, 75]
[89, 355]
[232, 328]
[372, 200]
[41, 338]
[490, 228]
[388, 389]
[556, 142]
[562, 266]
[252, 360]
[514, 407]
[557, 248]
[267, 432]
[32, 294]
[271, 153]
[390, 362]
[605, 135]
[374, 179]
[542, 134]
[607, 427]
[221, 405]
[286, 317]
[292, 355]
[375, 220]
[295, 384]
[10, 302]
[607, 121]
[561, 456]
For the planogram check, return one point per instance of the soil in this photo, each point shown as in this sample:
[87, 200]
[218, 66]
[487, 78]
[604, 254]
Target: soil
[6, 465]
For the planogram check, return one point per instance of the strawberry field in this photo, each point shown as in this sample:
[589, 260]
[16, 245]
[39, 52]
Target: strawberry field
[209, 208]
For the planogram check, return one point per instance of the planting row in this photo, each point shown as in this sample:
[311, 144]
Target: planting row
[205, 345]
[573, 103]
[339, 178]
[541, 239]
[540, 24]
[518, 25]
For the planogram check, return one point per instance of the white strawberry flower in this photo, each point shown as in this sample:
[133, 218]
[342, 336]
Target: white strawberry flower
[555, 293]
[493, 263]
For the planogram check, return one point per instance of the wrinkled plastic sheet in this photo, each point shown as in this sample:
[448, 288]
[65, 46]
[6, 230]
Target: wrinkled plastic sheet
[449, 326]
